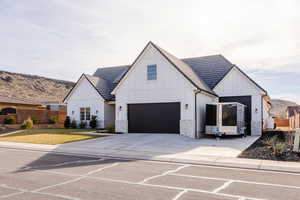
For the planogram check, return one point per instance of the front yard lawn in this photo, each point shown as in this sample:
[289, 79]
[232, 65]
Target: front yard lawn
[48, 136]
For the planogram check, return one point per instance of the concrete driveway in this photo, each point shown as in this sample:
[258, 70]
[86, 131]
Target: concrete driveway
[165, 144]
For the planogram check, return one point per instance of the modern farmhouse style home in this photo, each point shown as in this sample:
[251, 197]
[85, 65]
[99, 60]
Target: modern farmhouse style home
[160, 93]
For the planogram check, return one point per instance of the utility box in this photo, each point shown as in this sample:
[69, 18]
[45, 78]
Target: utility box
[225, 119]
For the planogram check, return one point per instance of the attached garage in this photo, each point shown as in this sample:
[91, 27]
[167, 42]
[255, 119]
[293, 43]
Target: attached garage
[154, 118]
[246, 100]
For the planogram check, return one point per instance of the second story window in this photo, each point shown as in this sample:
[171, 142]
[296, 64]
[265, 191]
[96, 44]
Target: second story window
[151, 72]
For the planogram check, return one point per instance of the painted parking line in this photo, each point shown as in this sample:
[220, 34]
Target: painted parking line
[237, 180]
[75, 179]
[262, 191]
[164, 173]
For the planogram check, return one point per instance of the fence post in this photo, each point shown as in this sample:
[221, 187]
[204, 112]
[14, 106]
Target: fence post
[296, 140]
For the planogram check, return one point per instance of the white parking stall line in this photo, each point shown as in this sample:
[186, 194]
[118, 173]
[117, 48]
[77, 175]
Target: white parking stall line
[238, 181]
[179, 194]
[165, 173]
[75, 179]
[222, 187]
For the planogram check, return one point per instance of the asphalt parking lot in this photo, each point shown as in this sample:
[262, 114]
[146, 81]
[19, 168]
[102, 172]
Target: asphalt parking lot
[39, 175]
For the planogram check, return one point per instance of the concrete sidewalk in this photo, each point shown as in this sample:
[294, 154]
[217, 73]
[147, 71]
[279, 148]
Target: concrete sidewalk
[293, 167]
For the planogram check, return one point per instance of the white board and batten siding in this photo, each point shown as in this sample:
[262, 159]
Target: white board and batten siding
[237, 84]
[85, 95]
[170, 86]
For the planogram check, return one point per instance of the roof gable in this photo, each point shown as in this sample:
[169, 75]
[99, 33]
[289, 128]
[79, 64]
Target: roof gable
[182, 67]
[232, 77]
[92, 81]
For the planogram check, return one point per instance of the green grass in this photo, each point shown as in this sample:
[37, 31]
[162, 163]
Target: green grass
[48, 136]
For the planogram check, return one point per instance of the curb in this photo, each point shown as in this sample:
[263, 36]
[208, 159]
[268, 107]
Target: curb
[240, 163]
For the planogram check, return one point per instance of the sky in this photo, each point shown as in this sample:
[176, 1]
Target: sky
[64, 38]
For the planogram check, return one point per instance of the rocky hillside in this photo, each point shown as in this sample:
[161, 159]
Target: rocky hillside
[279, 106]
[33, 88]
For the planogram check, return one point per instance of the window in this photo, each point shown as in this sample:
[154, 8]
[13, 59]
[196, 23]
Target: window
[88, 113]
[151, 72]
[85, 114]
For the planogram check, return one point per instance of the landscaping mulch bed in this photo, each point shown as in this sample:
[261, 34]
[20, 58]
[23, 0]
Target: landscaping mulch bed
[259, 149]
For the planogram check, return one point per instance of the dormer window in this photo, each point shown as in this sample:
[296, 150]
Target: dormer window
[151, 72]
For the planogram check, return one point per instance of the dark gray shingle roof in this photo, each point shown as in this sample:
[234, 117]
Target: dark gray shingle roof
[103, 86]
[186, 70]
[211, 69]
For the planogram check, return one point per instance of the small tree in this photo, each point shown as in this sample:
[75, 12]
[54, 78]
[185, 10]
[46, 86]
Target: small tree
[27, 124]
[93, 122]
[82, 124]
[67, 122]
[74, 124]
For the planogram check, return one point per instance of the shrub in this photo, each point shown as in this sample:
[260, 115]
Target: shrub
[270, 141]
[9, 120]
[35, 120]
[53, 120]
[93, 122]
[67, 123]
[110, 129]
[27, 124]
[278, 148]
[82, 124]
[74, 124]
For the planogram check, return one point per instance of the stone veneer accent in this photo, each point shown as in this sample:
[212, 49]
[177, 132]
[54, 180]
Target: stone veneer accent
[187, 128]
[256, 128]
[121, 126]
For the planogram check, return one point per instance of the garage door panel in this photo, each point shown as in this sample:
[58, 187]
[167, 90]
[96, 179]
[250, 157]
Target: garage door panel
[154, 118]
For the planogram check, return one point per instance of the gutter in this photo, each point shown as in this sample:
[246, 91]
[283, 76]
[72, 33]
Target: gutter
[196, 92]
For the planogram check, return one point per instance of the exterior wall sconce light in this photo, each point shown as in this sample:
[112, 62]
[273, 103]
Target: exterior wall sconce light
[73, 112]
[186, 106]
[96, 111]
[256, 110]
[120, 108]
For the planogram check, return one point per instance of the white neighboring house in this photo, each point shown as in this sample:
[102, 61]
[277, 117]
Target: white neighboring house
[160, 93]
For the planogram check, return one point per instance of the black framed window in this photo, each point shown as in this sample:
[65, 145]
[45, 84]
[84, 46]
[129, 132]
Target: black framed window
[85, 113]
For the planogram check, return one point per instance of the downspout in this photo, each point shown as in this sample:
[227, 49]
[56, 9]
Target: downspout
[196, 133]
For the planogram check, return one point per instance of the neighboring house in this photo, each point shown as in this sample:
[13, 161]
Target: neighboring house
[21, 109]
[160, 93]
[293, 115]
[9, 105]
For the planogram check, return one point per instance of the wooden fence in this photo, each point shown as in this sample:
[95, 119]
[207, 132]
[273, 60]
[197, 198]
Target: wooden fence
[282, 122]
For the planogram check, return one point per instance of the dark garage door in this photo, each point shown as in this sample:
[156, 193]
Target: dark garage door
[154, 118]
[246, 100]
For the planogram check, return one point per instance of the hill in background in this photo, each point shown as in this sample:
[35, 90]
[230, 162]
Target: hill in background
[279, 107]
[33, 88]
